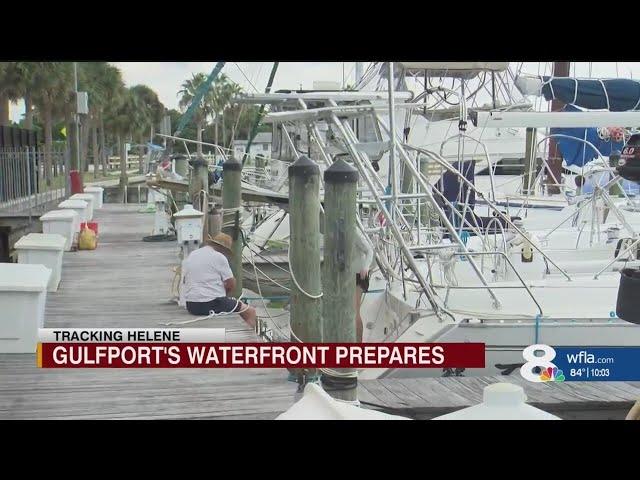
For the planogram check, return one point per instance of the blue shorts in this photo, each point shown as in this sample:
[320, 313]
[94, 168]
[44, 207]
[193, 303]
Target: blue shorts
[218, 305]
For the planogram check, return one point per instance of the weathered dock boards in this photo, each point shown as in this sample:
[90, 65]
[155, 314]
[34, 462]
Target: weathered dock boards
[126, 283]
[431, 397]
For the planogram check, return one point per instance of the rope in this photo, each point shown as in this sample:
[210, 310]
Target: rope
[212, 314]
[295, 282]
[292, 334]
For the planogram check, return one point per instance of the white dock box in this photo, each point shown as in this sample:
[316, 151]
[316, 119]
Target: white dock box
[91, 202]
[23, 294]
[79, 206]
[98, 193]
[44, 249]
[63, 222]
[189, 223]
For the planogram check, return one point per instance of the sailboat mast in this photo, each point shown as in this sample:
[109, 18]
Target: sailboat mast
[392, 141]
[560, 69]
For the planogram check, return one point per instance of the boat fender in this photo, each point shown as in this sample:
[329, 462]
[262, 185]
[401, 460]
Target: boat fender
[628, 303]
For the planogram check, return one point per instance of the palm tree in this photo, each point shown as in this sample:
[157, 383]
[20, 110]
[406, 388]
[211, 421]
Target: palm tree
[128, 118]
[113, 84]
[17, 82]
[102, 82]
[52, 91]
[11, 88]
[204, 110]
[28, 71]
[154, 112]
[223, 90]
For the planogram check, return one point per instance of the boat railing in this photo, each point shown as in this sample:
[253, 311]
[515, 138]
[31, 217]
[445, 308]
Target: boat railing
[486, 238]
[486, 154]
[492, 206]
[497, 287]
[621, 254]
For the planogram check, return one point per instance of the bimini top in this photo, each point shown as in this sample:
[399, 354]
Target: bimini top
[453, 69]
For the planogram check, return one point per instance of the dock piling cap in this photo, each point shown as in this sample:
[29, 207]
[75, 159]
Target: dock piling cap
[41, 241]
[340, 172]
[64, 214]
[231, 166]
[316, 404]
[501, 401]
[188, 212]
[503, 394]
[303, 167]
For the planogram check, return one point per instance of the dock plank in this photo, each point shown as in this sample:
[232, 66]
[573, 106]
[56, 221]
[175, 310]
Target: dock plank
[127, 282]
[567, 399]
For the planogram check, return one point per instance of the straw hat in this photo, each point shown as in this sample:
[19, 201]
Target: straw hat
[221, 240]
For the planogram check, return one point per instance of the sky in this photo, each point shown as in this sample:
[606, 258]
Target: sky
[165, 77]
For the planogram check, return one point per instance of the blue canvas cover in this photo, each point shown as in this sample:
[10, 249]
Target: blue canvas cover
[615, 95]
[575, 152]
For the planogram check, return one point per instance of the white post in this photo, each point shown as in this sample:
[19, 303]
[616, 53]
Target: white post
[358, 72]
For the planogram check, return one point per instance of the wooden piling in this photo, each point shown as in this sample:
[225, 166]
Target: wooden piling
[182, 166]
[304, 249]
[339, 274]
[198, 183]
[215, 220]
[231, 202]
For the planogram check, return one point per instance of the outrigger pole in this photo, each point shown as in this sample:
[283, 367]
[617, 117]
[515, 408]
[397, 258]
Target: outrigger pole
[195, 102]
[256, 123]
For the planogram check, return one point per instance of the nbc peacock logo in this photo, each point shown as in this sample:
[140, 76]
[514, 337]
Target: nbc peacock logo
[538, 367]
[551, 374]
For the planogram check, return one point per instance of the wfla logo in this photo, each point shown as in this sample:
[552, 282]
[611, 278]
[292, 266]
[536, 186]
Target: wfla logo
[539, 368]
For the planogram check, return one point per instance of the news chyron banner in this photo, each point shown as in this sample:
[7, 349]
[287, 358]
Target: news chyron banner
[206, 348]
[544, 363]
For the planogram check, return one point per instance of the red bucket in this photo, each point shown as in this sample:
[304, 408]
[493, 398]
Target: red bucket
[91, 226]
[76, 182]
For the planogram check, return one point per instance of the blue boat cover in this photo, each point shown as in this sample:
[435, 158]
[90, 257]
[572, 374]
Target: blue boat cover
[575, 152]
[615, 95]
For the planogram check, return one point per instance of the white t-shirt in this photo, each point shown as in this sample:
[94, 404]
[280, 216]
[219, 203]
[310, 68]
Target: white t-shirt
[205, 272]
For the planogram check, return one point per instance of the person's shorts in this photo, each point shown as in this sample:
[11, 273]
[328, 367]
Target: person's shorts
[218, 305]
[363, 283]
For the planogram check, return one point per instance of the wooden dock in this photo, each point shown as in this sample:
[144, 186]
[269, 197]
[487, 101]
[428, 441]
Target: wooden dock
[127, 283]
[427, 398]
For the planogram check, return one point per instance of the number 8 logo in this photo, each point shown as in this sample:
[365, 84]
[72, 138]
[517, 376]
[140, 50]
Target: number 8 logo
[533, 361]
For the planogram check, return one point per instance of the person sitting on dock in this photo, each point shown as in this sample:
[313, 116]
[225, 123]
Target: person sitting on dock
[208, 281]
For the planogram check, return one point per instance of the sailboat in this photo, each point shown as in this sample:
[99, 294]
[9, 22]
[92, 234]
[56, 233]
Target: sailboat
[451, 262]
